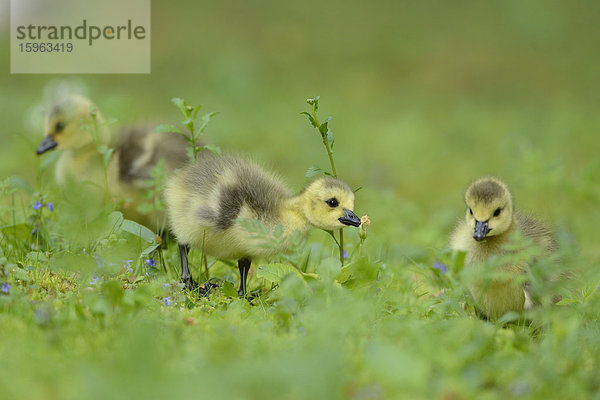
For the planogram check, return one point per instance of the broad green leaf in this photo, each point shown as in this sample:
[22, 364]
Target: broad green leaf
[275, 272]
[138, 230]
[329, 268]
[166, 128]
[115, 220]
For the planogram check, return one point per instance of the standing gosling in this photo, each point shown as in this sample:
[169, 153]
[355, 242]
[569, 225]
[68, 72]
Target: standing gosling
[489, 222]
[206, 200]
[137, 150]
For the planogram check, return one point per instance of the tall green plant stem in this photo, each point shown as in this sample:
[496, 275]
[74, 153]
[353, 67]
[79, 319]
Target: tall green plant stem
[333, 172]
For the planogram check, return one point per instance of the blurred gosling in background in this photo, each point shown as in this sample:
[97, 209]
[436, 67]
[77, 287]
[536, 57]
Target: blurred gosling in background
[76, 128]
[207, 199]
[489, 222]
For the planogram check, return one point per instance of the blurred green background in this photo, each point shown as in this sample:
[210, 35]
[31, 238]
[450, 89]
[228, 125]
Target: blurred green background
[425, 97]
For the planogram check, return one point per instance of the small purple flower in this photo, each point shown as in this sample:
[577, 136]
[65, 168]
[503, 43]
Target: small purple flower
[94, 280]
[37, 205]
[34, 230]
[167, 301]
[50, 206]
[441, 267]
[345, 254]
[151, 262]
[166, 286]
[5, 287]
[127, 264]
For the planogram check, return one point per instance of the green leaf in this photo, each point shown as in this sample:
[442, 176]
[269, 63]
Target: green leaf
[216, 150]
[106, 153]
[229, 290]
[329, 136]
[149, 250]
[138, 230]
[19, 231]
[166, 128]
[510, 316]
[181, 105]
[275, 272]
[311, 119]
[459, 260]
[314, 171]
[329, 269]
[205, 120]
[345, 274]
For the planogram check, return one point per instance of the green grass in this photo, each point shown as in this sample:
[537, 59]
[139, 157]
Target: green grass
[425, 98]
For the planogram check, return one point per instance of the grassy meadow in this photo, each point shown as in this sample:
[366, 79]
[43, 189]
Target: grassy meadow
[424, 97]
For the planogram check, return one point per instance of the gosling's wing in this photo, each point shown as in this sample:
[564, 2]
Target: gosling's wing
[141, 149]
[536, 230]
[245, 191]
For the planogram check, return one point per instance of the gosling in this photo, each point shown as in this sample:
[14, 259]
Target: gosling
[137, 149]
[206, 201]
[490, 219]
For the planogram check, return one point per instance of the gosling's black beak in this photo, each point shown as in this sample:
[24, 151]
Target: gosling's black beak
[349, 218]
[47, 144]
[481, 230]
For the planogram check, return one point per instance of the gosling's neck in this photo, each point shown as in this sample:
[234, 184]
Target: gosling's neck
[293, 216]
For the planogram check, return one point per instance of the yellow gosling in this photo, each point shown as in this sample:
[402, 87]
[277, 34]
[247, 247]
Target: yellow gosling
[490, 219]
[207, 199]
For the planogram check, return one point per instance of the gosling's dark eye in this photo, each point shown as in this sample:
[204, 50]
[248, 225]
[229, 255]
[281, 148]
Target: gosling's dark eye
[497, 212]
[471, 211]
[332, 202]
[59, 127]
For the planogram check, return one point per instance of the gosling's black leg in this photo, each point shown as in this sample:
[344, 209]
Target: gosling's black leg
[244, 267]
[186, 277]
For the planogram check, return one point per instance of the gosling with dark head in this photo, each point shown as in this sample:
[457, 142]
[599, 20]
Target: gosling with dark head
[207, 200]
[489, 222]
